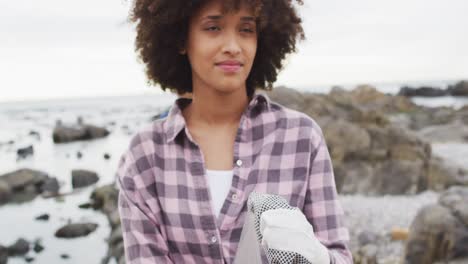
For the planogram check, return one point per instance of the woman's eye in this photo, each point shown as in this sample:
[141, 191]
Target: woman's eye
[248, 30]
[212, 28]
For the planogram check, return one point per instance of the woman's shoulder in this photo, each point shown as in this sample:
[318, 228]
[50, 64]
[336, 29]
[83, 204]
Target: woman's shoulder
[294, 118]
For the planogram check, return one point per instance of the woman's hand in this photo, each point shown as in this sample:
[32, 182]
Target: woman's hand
[289, 230]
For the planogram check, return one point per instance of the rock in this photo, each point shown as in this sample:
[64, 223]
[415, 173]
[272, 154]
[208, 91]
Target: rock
[345, 139]
[422, 91]
[367, 237]
[106, 156]
[117, 251]
[370, 154]
[50, 186]
[3, 255]
[442, 175]
[79, 154]
[63, 134]
[19, 179]
[114, 218]
[105, 198]
[25, 152]
[38, 247]
[5, 192]
[83, 178]
[76, 230]
[366, 255]
[20, 247]
[439, 232]
[397, 177]
[28, 259]
[43, 217]
[85, 205]
[460, 89]
[65, 256]
[456, 199]
[116, 236]
[354, 177]
[453, 132]
[35, 134]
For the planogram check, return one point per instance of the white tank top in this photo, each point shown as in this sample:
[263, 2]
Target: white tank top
[219, 182]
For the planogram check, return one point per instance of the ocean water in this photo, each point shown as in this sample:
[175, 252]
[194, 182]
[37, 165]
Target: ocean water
[123, 116]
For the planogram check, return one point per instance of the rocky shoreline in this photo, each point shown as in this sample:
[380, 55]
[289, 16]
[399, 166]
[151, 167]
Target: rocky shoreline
[401, 200]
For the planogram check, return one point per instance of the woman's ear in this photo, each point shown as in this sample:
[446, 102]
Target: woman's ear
[182, 51]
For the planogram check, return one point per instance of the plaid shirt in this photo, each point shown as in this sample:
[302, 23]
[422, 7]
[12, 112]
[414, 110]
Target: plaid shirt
[164, 200]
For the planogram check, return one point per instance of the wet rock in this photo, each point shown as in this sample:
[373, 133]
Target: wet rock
[50, 186]
[5, 192]
[38, 247]
[20, 247]
[76, 230]
[83, 178]
[43, 217]
[35, 134]
[85, 206]
[105, 198]
[3, 255]
[63, 134]
[25, 152]
[19, 179]
[21, 185]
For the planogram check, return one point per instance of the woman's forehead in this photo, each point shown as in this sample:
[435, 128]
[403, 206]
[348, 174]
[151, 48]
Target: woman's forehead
[222, 7]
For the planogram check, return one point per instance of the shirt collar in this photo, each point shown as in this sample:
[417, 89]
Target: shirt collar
[175, 121]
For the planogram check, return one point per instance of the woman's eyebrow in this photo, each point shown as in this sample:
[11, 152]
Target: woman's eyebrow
[218, 17]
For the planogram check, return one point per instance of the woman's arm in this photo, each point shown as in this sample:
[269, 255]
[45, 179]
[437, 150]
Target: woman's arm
[322, 207]
[143, 241]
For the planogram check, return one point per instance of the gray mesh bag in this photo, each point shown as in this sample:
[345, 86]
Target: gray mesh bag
[251, 237]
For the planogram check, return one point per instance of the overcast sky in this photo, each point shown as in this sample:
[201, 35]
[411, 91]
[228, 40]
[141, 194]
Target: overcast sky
[56, 48]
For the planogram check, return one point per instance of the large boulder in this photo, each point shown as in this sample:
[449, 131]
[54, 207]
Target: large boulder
[439, 232]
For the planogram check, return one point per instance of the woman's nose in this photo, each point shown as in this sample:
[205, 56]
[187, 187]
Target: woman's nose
[231, 44]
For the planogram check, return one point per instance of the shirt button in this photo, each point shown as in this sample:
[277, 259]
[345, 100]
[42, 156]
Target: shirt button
[239, 162]
[234, 196]
[213, 239]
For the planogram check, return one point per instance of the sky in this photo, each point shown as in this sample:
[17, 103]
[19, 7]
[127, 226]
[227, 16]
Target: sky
[56, 48]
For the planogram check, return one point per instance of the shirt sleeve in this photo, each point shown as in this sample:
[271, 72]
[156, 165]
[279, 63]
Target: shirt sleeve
[322, 206]
[141, 231]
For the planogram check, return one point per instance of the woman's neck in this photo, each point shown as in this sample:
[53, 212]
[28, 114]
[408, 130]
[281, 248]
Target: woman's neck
[216, 110]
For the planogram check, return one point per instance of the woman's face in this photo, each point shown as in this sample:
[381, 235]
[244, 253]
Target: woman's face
[221, 47]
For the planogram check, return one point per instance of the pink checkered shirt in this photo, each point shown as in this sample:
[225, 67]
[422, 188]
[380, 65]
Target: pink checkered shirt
[164, 200]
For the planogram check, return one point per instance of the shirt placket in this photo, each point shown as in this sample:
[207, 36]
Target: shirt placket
[207, 218]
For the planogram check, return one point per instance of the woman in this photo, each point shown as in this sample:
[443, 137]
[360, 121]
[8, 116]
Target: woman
[184, 180]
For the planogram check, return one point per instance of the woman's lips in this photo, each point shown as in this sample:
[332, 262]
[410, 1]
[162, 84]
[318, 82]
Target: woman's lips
[229, 67]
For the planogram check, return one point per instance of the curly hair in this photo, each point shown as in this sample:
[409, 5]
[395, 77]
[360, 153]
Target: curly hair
[162, 28]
